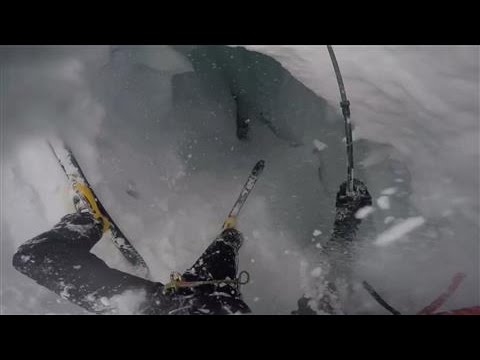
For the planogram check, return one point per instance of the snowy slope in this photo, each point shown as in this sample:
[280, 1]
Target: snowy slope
[154, 129]
[422, 100]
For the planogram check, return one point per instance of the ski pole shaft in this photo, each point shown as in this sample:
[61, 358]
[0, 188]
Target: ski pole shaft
[379, 299]
[345, 105]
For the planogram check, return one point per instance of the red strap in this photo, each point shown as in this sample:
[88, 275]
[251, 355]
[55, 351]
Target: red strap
[439, 301]
[474, 310]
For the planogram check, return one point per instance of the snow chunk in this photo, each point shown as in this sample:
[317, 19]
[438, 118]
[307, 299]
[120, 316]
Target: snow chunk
[104, 301]
[65, 293]
[388, 219]
[128, 302]
[389, 191]
[317, 232]
[316, 272]
[320, 146]
[383, 202]
[398, 231]
[364, 212]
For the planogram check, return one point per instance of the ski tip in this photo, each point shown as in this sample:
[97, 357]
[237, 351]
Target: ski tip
[54, 144]
[260, 164]
[258, 167]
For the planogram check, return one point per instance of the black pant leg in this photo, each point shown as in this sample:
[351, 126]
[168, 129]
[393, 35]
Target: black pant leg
[60, 260]
[219, 260]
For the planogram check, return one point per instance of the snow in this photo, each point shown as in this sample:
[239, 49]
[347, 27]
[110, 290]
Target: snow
[364, 212]
[399, 230]
[388, 219]
[320, 146]
[104, 300]
[317, 272]
[383, 202]
[382, 82]
[64, 294]
[389, 191]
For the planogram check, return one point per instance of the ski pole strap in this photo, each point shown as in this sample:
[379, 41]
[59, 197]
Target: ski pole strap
[379, 299]
[439, 301]
[176, 282]
[474, 310]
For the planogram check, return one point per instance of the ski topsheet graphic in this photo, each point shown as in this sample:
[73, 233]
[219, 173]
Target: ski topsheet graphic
[76, 177]
[242, 198]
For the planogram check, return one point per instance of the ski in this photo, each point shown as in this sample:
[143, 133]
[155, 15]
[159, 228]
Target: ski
[75, 175]
[246, 190]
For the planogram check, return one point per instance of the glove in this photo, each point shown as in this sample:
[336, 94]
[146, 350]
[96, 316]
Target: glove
[350, 204]
[233, 237]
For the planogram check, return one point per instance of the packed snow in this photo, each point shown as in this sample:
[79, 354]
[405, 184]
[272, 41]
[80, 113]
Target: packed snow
[383, 202]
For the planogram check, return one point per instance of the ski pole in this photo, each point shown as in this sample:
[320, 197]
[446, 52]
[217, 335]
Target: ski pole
[345, 105]
[379, 299]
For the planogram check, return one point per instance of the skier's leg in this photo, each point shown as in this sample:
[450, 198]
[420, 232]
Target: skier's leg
[80, 231]
[60, 260]
[41, 257]
[219, 261]
[337, 254]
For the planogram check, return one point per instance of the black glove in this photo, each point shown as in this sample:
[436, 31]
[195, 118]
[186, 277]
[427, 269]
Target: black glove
[232, 237]
[350, 204]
